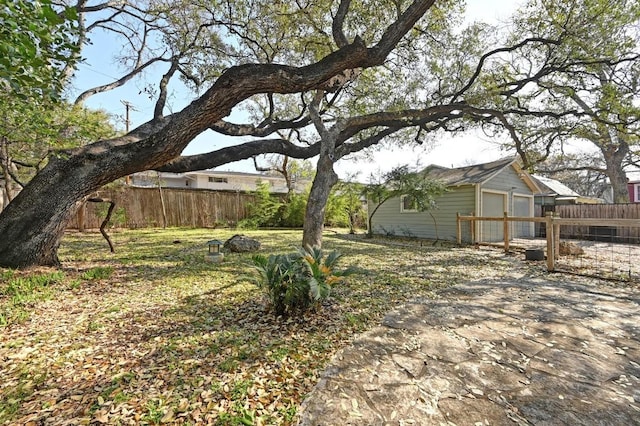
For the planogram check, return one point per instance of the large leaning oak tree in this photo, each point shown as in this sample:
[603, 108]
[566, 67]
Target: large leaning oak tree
[441, 77]
[334, 77]
[32, 225]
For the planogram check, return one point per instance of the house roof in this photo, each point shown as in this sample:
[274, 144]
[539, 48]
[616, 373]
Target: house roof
[552, 187]
[470, 175]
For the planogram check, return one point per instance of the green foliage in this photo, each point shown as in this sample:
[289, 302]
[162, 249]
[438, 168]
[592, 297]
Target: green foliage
[280, 277]
[98, 273]
[263, 211]
[344, 207]
[118, 216]
[292, 213]
[248, 223]
[295, 282]
[29, 132]
[36, 43]
[321, 271]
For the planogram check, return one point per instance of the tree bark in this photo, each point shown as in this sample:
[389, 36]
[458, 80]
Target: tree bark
[324, 180]
[615, 149]
[615, 171]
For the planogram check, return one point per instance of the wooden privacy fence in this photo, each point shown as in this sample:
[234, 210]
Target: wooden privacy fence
[553, 225]
[143, 207]
[605, 230]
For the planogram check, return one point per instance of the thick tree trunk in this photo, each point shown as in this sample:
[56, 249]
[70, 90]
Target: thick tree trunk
[324, 180]
[614, 159]
[33, 224]
[618, 180]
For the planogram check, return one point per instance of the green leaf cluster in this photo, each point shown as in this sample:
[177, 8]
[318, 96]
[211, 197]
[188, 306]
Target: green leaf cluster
[29, 131]
[36, 43]
[295, 282]
[403, 181]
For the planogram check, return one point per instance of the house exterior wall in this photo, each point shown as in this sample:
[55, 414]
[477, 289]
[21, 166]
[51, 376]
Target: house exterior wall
[216, 181]
[509, 181]
[507, 187]
[389, 219]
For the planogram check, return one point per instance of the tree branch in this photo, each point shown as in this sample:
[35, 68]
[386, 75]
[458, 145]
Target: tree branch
[338, 23]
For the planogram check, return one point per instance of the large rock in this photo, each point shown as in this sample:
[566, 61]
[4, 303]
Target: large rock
[570, 249]
[241, 244]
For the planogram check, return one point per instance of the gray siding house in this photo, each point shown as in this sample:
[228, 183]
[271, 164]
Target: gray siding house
[488, 189]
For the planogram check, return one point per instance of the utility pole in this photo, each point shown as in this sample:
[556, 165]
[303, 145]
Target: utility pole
[128, 107]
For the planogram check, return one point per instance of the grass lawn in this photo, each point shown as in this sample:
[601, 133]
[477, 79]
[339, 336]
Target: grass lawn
[153, 334]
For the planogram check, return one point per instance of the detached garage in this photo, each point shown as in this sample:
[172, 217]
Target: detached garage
[488, 189]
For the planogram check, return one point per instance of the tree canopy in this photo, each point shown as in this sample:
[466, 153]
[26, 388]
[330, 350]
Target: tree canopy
[319, 78]
[593, 96]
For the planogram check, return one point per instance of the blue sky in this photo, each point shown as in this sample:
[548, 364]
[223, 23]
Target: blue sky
[99, 68]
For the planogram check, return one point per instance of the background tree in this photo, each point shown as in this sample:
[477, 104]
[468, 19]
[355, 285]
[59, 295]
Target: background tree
[419, 190]
[30, 130]
[584, 173]
[293, 171]
[348, 196]
[594, 95]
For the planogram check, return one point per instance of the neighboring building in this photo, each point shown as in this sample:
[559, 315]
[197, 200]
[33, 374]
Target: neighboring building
[489, 189]
[634, 191]
[555, 193]
[213, 180]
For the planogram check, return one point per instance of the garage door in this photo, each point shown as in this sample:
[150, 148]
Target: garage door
[522, 206]
[493, 204]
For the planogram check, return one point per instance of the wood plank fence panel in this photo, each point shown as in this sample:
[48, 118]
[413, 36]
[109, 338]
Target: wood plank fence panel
[604, 212]
[142, 207]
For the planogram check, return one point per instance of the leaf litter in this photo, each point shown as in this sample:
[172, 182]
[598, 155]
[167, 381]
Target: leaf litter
[166, 338]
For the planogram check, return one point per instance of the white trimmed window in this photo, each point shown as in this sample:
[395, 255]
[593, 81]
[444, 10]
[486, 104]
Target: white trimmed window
[215, 179]
[408, 204]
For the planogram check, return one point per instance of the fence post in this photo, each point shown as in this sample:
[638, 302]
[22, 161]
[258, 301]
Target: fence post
[459, 228]
[505, 232]
[473, 228]
[550, 242]
[556, 238]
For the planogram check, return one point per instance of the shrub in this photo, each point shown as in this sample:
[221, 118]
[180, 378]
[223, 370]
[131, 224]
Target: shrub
[292, 213]
[297, 281]
[264, 209]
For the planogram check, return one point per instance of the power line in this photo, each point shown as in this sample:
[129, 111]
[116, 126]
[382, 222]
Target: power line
[90, 68]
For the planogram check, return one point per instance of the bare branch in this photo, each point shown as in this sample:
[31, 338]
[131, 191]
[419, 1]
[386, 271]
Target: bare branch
[239, 152]
[164, 82]
[118, 83]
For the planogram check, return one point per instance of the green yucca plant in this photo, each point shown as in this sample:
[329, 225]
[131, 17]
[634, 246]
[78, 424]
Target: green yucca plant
[296, 281]
[322, 273]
